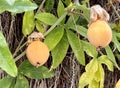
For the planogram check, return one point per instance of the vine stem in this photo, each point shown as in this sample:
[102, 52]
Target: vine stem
[56, 23]
[18, 48]
[114, 9]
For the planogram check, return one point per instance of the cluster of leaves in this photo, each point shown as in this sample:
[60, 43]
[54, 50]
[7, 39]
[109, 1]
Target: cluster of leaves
[61, 34]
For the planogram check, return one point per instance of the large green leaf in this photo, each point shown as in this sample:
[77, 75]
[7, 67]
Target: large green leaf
[21, 6]
[21, 82]
[59, 52]
[46, 18]
[35, 73]
[28, 23]
[94, 84]
[6, 60]
[6, 82]
[10, 2]
[18, 6]
[76, 46]
[111, 56]
[3, 5]
[89, 49]
[88, 76]
[105, 60]
[53, 38]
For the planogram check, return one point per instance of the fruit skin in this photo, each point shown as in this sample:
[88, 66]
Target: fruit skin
[99, 33]
[37, 53]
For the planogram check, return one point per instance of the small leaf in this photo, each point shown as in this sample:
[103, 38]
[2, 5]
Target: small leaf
[76, 46]
[86, 11]
[6, 60]
[59, 52]
[39, 26]
[53, 38]
[111, 56]
[21, 82]
[35, 73]
[71, 20]
[46, 18]
[105, 60]
[10, 2]
[89, 49]
[49, 5]
[83, 81]
[28, 23]
[116, 42]
[117, 84]
[60, 9]
[6, 82]
[81, 30]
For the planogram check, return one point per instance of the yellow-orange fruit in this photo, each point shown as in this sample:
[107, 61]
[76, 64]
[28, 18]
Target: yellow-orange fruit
[99, 33]
[37, 53]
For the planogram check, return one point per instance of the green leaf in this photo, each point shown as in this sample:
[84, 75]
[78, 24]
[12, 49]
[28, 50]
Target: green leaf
[111, 56]
[21, 82]
[75, 44]
[105, 60]
[60, 9]
[39, 26]
[35, 73]
[86, 11]
[89, 49]
[81, 30]
[88, 76]
[92, 66]
[28, 23]
[6, 60]
[102, 74]
[94, 84]
[6, 82]
[10, 2]
[21, 6]
[3, 5]
[70, 23]
[116, 42]
[53, 38]
[46, 18]
[83, 81]
[49, 5]
[59, 52]
[67, 2]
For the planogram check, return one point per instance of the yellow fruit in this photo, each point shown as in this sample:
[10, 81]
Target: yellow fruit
[99, 33]
[37, 53]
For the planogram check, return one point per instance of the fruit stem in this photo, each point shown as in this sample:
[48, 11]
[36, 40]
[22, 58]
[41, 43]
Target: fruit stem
[56, 23]
[114, 9]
